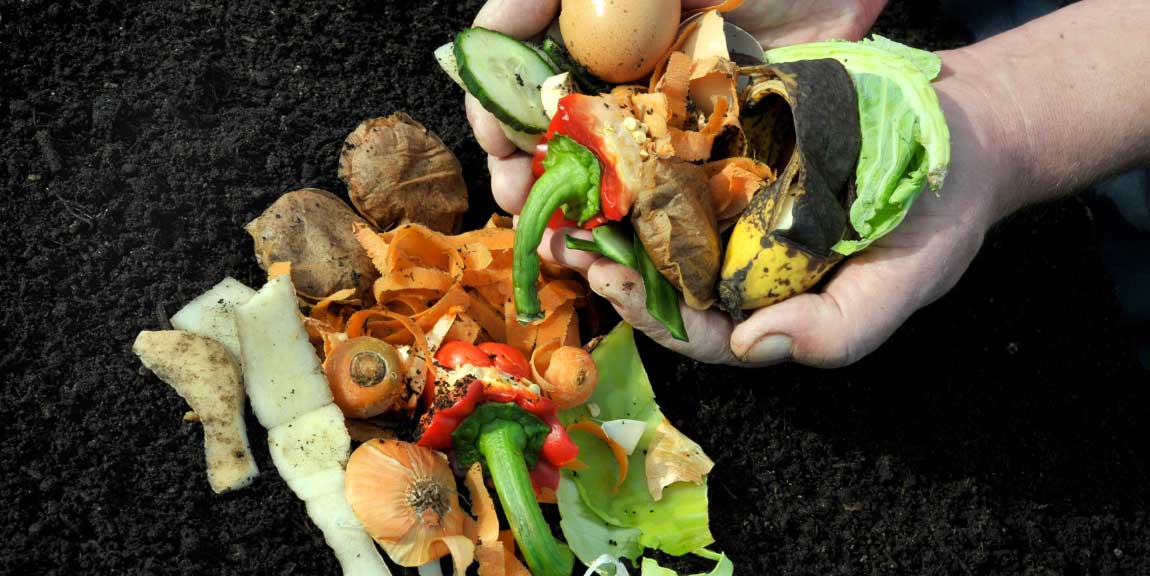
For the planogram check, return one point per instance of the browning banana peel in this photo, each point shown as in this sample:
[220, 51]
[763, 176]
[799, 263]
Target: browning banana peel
[801, 119]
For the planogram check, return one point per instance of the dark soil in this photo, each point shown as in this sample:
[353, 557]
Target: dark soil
[1003, 430]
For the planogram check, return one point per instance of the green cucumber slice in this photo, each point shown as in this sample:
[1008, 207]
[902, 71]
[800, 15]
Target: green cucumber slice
[504, 74]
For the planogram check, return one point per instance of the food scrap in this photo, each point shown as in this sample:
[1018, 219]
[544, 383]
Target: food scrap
[204, 374]
[309, 228]
[399, 172]
[307, 437]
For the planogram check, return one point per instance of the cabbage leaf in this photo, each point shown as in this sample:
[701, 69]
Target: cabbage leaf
[678, 523]
[905, 140]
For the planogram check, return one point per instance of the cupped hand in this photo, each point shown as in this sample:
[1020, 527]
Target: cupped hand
[872, 293]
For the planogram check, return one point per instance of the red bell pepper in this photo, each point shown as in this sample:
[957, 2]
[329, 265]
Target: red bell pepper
[455, 401]
[593, 122]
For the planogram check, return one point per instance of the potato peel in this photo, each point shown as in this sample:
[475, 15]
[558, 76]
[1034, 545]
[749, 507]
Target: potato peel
[205, 375]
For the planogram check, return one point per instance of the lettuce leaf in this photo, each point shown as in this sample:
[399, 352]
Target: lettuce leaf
[588, 536]
[905, 140]
[678, 523]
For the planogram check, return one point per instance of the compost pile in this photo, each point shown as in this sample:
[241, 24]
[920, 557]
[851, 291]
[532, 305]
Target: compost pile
[1001, 429]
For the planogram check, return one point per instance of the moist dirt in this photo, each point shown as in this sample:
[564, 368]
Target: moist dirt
[1002, 430]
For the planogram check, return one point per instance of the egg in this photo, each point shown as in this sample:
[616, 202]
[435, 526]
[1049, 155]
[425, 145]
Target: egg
[619, 40]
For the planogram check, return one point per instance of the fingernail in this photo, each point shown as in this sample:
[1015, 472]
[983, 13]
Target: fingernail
[769, 349]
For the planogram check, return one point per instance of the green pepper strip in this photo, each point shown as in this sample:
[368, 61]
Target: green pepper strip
[662, 298]
[570, 180]
[502, 434]
[581, 244]
[609, 241]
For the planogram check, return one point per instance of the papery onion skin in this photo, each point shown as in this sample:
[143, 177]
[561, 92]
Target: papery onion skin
[405, 496]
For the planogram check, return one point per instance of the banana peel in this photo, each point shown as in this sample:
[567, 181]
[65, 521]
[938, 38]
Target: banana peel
[801, 119]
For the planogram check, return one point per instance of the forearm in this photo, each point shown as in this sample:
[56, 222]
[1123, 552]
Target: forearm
[1063, 99]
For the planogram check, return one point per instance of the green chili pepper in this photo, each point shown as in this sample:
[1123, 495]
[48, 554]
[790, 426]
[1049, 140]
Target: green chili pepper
[581, 244]
[570, 181]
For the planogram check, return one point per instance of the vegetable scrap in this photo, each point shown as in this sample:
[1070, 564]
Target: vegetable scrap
[506, 437]
[307, 437]
[405, 496]
[308, 228]
[399, 172]
[204, 374]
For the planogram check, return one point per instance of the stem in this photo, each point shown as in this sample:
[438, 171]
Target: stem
[501, 444]
[562, 183]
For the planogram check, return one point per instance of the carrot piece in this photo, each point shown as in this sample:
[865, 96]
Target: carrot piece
[653, 112]
[492, 238]
[674, 84]
[618, 451]
[657, 73]
[365, 377]
[555, 293]
[691, 146]
[512, 567]
[570, 377]
[464, 329]
[277, 269]
[488, 318]
[373, 244]
[520, 337]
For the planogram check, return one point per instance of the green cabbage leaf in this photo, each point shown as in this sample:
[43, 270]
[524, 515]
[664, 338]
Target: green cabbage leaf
[905, 139]
[676, 524]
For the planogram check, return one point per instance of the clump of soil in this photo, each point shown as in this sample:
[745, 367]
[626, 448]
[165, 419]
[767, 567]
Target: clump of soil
[1002, 430]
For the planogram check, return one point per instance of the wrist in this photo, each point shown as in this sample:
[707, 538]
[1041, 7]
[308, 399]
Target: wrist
[989, 143]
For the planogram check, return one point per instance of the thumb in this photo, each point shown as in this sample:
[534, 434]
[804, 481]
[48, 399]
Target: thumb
[859, 309]
[517, 18]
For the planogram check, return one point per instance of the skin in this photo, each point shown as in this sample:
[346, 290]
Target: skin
[1037, 112]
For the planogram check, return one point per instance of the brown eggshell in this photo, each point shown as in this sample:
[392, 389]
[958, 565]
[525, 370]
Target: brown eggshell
[619, 40]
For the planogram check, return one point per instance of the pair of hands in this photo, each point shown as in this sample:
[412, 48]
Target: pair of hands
[871, 294]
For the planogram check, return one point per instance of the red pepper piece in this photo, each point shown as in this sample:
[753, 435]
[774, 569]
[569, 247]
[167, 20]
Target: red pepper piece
[544, 475]
[537, 168]
[453, 403]
[594, 123]
[450, 408]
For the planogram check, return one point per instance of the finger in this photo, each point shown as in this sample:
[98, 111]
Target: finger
[487, 130]
[861, 307]
[511, 181]
[517, 18]
[708, 331]
[554, 248]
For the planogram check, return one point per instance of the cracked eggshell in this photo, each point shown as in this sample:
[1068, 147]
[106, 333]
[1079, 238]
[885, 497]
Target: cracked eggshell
[619, 40]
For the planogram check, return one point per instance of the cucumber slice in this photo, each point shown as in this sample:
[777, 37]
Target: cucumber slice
[504, 74]
[445, 55]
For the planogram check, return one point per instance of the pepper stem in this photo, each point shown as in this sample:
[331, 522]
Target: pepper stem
[501, 444]
[562, 183]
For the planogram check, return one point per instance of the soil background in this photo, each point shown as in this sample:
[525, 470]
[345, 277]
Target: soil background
[1003, 430]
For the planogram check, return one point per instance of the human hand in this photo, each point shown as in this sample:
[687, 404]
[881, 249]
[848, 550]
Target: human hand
[872, 293]
[868, 297]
